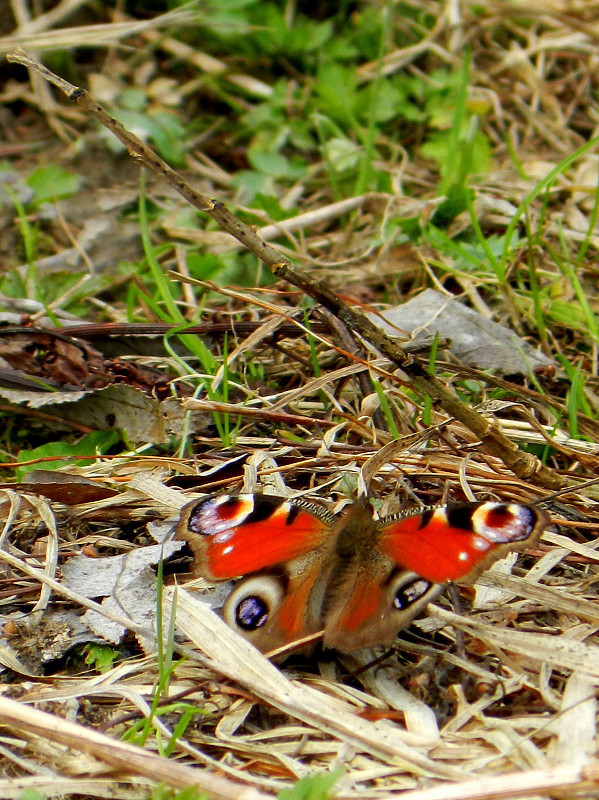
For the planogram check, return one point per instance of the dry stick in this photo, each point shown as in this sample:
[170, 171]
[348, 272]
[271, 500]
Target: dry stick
[128, 759]
[560, 781]
[492, 439]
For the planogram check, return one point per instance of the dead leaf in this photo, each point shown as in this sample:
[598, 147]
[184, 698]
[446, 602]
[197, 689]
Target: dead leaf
[475, 340]
[127, 583]
[65, 487]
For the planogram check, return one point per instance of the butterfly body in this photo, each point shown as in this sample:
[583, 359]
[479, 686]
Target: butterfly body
[356, 579]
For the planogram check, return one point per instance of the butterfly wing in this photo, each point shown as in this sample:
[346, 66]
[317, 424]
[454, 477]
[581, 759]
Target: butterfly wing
[233, 535]
[374, 606]
[278, 544]
[407, 560]
[368, 596]
[458, 542]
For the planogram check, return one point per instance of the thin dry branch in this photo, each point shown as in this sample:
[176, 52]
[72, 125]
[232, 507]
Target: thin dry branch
[492, 438]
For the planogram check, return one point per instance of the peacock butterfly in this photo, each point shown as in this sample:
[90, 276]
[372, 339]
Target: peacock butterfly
[356, 579]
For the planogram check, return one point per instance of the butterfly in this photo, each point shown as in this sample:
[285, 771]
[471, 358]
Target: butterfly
[356, 579]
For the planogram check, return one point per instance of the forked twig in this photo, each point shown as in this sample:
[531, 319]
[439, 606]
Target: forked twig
[493, 440]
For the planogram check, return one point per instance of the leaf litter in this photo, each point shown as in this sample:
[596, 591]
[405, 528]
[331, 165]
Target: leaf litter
[510, 682]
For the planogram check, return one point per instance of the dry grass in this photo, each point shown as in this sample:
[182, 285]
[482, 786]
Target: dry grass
[498, 701]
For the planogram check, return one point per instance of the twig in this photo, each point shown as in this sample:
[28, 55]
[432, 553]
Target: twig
[559, 781]
[126, 758]
[492, 439]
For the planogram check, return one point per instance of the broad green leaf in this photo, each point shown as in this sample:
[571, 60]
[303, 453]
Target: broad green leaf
[52, 182]
[92, 445]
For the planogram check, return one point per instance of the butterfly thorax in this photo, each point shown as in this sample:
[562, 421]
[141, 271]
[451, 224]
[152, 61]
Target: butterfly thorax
[356, 532]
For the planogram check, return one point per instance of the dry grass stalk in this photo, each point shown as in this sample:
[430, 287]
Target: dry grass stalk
[124, 757]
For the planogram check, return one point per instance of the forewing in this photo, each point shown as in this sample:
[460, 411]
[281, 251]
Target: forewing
[457, 543]
[233, 535]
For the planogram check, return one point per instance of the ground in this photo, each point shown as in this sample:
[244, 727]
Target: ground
[432, 162]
